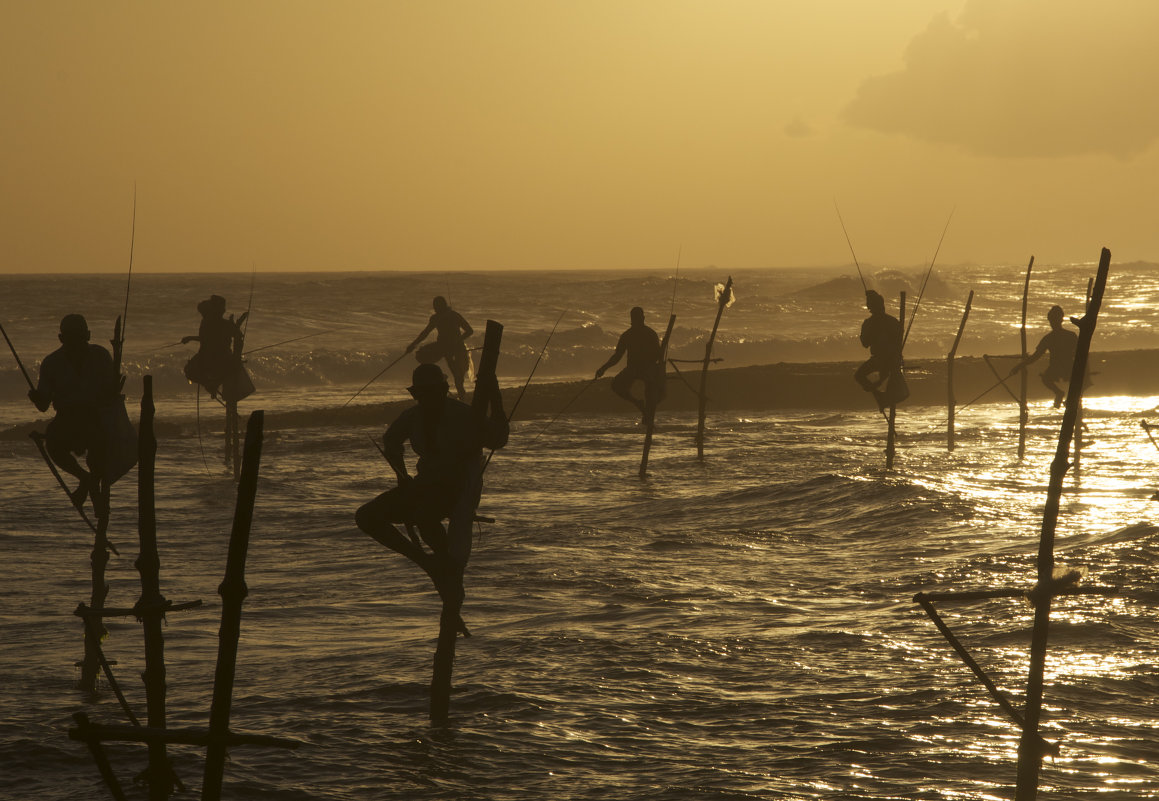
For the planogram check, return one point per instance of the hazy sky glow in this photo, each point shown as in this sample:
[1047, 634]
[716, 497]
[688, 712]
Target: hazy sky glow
[511, 134]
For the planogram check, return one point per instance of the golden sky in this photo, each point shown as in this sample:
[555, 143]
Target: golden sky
[511, 134]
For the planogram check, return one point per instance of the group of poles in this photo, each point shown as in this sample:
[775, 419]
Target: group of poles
[1050, 581]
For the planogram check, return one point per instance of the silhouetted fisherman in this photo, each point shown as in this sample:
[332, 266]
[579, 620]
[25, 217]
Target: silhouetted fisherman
[450, 342]
[78, 380]
[642, 346]
[1061, 344]
[882, 334]
[448, 437]
[217, 362]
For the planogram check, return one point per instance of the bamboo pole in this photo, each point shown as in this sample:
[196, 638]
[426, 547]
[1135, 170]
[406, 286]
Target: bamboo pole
[650, 408]
[87, 733]
[1029, 753]
[452, 598]
[233, 591]
[1023, 408]
[725, 297]
[891, 436]
[951, 401]
[152, 602]
[98, 560]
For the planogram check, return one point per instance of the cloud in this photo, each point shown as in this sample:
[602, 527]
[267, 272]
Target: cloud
[799, 129]
[1026, 78]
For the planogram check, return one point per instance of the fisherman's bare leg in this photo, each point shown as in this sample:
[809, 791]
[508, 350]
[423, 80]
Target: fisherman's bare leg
[622, 386]
[1050, 384]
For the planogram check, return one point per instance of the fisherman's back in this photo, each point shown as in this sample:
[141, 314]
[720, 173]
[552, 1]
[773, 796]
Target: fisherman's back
[882, 333]
[77, 383]
[642, 345]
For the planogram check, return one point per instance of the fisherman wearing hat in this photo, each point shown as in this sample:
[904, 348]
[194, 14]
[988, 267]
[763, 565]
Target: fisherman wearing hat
[448, 437]
[216, 361]
[882, 334]
[1061, 343]
[77, 380]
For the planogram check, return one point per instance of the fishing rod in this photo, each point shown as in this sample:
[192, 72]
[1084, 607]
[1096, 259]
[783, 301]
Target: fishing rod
[249, 306]
[676, 280]
[119, 345]
[565, 408]
[926, 280]
[288, 341]
[376, 377]
[527, 383]
[16, 356]
[850, 243]
[977, 398]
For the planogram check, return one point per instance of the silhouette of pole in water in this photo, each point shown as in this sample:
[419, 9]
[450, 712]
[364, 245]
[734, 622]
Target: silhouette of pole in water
[891, 436]
[1029, 755]
[449, 620]
[723, 301]
[1050, 582]
[650, 408]
[951, 401]
[1023, 407]
[233, 591]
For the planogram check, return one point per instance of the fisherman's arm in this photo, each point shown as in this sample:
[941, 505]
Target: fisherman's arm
[467, 329]
[1029, 360]
[392, 447]
[621, 348]
[422, 335]
[41, 396]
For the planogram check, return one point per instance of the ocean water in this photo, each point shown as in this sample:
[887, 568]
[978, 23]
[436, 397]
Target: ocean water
[737, 628]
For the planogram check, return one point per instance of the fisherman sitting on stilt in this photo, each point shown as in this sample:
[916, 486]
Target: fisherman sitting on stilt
[78, 380]
[1061, 344]
[448, 437]
[642, 345]
[882, 334]
[217, 364]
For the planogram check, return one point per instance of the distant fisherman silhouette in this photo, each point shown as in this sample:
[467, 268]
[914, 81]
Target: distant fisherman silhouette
[78, 380]
[882, 334]
[452, 331]
[217, 364]
[448, 437]
[642, 346]
[1061, 344]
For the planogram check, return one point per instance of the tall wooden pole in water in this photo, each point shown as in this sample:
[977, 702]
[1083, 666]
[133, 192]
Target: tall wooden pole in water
[951, 401]
[452, 600]
[650, 408]
[233, 591]
[151, 605]
[1029, 750]
[891, 436]
[723, 301]
[1023, 409]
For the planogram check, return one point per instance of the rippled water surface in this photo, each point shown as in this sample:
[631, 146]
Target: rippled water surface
[741, 628]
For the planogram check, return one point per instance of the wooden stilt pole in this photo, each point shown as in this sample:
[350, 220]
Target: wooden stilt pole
[723, 301]
[1078, 425]
[95, 629]
[452, 596]
[891, 436]
[951, 401]
[151, 604]
[1029, 753]
[233, 591]
[1023, 409]
[650, 408]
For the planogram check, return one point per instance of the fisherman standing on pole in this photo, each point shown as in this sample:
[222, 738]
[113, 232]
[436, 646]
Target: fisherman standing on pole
[1061, 344]
[78, 380]
[642, 346]
[450, 342]
[448, 437]
[882, 334]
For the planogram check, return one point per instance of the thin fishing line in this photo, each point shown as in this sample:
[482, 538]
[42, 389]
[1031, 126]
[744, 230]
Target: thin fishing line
[922, 291]
[849, 242]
